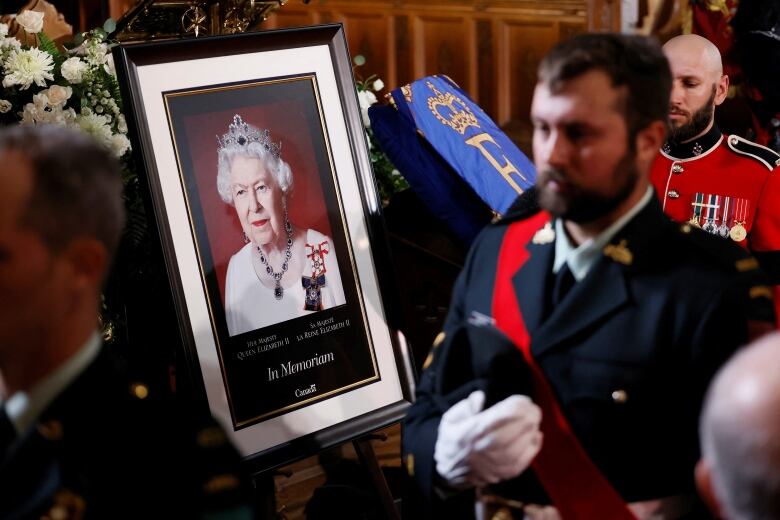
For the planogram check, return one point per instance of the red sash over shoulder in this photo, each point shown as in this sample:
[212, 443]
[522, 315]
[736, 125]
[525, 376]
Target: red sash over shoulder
[576, 486]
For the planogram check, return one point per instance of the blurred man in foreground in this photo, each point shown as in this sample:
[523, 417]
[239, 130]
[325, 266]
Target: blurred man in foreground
[78, 438]
[621, 316]
[739, 473]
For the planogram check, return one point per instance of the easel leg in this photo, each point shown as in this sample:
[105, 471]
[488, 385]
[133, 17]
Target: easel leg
[265, 495]
[365, 452]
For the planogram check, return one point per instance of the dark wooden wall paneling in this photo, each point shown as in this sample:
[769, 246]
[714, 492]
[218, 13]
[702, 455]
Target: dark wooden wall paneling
[490, 48]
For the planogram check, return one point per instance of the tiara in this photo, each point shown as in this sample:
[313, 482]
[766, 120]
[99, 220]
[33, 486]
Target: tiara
[241, 134]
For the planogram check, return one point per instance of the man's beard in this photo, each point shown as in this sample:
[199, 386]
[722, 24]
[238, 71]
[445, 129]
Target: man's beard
[699, 121]
[583, 206]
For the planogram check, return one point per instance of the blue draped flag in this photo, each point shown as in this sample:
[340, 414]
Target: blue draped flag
[467, 139]
[443, 192]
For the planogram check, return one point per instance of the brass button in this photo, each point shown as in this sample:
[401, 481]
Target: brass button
[677, 168]
[673, 194]
[139, 390]
[685, 228]
[410, 464]
[619, 396]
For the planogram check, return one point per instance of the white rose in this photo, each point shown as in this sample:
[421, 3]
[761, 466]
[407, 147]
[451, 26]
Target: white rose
[3, 30]
[109, 66]
[378, 85]
[119, 144]
[121, 124]
[53, 115]
[41, 100]
[30, 114]
[73, 70]
[59, 95]
[5, 106]
[33, 114]
[31, 21]
[366, 99]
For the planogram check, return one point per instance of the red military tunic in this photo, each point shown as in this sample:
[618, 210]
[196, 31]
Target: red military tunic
[728, 186]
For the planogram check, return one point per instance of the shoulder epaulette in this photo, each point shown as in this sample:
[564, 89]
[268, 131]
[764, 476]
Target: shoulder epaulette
[508, 218]
[764, 155]
[524, 206]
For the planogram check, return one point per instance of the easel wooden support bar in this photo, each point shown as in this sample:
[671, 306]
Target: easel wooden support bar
[367, 457]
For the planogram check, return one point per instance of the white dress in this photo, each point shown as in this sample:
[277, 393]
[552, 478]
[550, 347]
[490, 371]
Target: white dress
[250, 305]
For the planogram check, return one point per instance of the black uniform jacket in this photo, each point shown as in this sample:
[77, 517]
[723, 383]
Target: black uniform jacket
[108, 447]
[629, 351]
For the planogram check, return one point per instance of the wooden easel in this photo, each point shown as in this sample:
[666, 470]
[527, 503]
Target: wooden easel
[367, 457]
[265, 496]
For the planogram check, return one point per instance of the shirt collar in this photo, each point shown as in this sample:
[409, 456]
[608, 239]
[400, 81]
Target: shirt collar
[582, 257]
[24, 408]
[694, 147]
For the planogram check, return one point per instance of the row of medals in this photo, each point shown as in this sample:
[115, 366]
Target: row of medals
[737, 232]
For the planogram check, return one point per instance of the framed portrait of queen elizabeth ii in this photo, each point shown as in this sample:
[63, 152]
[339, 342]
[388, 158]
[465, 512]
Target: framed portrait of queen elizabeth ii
[262, 192]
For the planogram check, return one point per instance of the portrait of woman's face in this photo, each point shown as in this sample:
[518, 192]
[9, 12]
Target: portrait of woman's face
[257, 199]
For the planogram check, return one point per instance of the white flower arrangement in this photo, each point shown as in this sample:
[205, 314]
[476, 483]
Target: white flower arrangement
[75, 88]
[389, 179]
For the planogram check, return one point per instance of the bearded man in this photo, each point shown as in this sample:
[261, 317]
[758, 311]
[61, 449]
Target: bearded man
[617, 337]
[726, 185]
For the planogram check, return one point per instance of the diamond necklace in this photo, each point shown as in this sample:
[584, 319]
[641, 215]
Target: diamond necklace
[278, 289]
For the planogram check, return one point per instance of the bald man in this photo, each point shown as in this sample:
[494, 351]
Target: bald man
[726, 185]
[739, 473]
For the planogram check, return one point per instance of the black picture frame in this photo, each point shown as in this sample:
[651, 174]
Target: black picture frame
[297, 83]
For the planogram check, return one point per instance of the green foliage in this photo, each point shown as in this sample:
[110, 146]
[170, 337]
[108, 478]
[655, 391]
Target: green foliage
[388, 178]
[109, 26]
[47, 45]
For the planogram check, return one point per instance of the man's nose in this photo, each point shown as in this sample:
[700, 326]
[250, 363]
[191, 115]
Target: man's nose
[558, 150]
[677, 96]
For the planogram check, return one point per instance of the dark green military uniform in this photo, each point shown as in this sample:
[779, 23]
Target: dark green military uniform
[107, 447]
[628, 352]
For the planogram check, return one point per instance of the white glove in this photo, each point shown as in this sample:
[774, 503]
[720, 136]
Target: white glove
[476, 448]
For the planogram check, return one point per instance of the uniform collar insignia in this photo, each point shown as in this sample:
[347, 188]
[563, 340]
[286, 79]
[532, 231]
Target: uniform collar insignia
[619, 253]
[545, 235]
[693, 148]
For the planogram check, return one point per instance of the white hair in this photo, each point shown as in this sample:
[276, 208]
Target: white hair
[276, 166]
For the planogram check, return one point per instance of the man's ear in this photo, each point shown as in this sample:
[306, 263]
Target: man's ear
[703, 474]
[649, 140]
[721, 89]
[88, 262]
